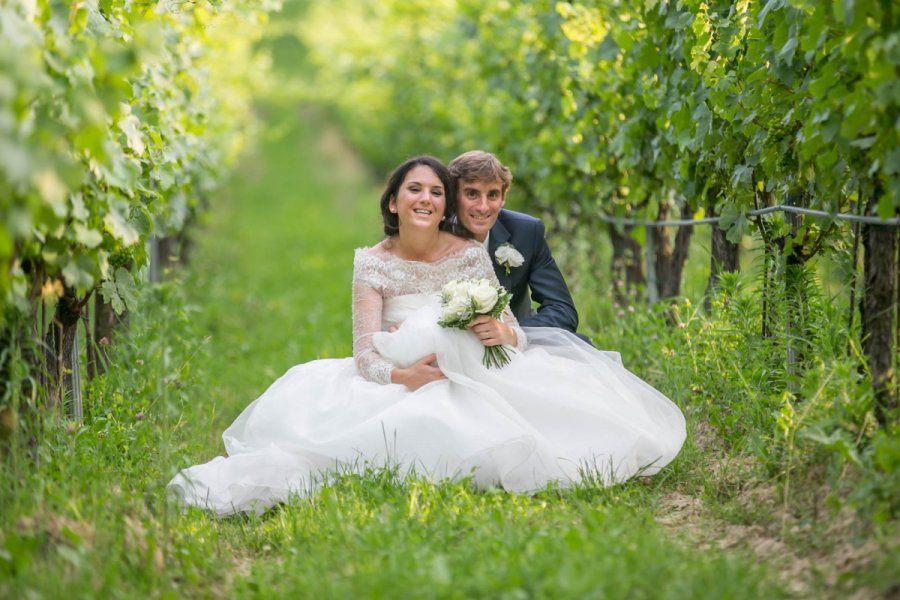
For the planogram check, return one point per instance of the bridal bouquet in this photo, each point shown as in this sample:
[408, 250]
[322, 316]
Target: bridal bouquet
[462, 300]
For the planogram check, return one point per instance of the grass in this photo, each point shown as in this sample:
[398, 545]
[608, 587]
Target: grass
[83, 512]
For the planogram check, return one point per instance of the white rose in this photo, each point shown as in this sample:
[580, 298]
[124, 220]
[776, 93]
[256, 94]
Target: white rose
[508, 256]
[484, 296]
[455, 308]
[454, 289]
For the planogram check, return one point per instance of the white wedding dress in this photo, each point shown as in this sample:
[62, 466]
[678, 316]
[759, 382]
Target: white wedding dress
[559, 410]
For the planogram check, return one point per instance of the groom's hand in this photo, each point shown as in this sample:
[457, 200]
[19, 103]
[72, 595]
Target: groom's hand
[421, 372]
[492, 332]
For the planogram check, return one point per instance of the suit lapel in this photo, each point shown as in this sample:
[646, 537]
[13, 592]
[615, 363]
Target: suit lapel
[499, 235]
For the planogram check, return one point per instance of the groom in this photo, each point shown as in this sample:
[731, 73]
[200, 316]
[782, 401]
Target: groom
[514, 241]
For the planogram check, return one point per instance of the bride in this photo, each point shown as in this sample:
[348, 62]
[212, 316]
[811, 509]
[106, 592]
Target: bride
[416, 395]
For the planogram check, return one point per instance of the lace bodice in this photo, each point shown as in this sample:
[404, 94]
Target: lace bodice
[379, 275]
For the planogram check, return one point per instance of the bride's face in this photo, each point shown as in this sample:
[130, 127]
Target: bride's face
[420, 201]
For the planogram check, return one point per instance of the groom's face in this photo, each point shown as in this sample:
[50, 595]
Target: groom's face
[479, 204]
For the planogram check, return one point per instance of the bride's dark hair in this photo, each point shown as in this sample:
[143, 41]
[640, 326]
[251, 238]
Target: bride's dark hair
[395, 180]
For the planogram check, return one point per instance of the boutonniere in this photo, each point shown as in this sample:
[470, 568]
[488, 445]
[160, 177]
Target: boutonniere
[508, 257]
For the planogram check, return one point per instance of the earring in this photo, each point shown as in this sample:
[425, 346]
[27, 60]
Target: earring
[444, 218]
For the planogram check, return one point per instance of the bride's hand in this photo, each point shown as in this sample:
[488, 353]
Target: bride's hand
[492, 332]
[423, 371]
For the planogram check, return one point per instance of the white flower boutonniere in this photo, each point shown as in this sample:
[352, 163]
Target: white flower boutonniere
[508, 257]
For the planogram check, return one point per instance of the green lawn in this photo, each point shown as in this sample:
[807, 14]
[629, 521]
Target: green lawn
[84, 513]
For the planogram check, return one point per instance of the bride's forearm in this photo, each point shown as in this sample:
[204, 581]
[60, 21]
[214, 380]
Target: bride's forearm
[399, 376]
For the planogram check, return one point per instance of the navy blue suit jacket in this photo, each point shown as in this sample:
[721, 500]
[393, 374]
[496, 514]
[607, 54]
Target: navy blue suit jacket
[539, 273]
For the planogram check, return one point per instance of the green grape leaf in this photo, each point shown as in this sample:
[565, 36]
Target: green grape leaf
[111, 296]
[87, 236]
[78, 272]
[131, 127]
[117, 224]
[733, 222]
[141, 220]
[126, 288]
[787, 52]
[52, 189]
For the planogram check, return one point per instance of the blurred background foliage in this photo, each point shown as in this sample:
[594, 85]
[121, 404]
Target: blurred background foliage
[122, 123]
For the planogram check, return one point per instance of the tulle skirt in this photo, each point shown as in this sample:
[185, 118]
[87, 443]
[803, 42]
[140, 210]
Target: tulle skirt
[558, 412]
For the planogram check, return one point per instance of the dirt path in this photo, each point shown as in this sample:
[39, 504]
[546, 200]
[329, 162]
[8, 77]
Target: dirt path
[809, 553]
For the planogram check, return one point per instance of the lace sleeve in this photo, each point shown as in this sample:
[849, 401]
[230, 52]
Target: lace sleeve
[482, 268]
[367, 302]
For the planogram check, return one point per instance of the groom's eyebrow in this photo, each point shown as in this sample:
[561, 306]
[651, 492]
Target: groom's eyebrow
[473, 186]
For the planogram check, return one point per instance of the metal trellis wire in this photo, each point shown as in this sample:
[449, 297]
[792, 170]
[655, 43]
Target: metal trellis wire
[652, 294]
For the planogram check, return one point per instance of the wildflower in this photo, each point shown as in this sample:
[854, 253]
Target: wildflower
[139, 416]
[104, 341]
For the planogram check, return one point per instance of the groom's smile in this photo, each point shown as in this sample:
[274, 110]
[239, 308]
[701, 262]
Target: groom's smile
[479, 205]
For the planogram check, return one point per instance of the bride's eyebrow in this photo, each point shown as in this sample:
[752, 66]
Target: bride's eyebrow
[437, 186]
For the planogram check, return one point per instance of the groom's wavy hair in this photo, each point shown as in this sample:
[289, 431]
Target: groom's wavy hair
[395, 180]
[478, 165]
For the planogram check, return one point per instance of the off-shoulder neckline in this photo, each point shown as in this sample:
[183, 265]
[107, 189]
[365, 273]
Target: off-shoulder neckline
[384, 255]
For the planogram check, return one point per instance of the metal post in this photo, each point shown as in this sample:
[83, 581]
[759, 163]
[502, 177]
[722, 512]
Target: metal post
[652, 286]
[153, 271]
[75, 407]
[790, 357]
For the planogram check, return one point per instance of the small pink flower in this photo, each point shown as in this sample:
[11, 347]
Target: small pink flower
[139, 416]
[621, 313]
[631, 309]
[140, 361]
[104, 341]
[71, 427]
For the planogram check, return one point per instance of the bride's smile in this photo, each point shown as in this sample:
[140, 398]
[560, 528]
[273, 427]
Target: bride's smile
[420, 201]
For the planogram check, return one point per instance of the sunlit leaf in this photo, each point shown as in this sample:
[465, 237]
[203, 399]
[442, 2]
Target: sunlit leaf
[52, 190]
[89, 237]
[118, 225]
[130, 126]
